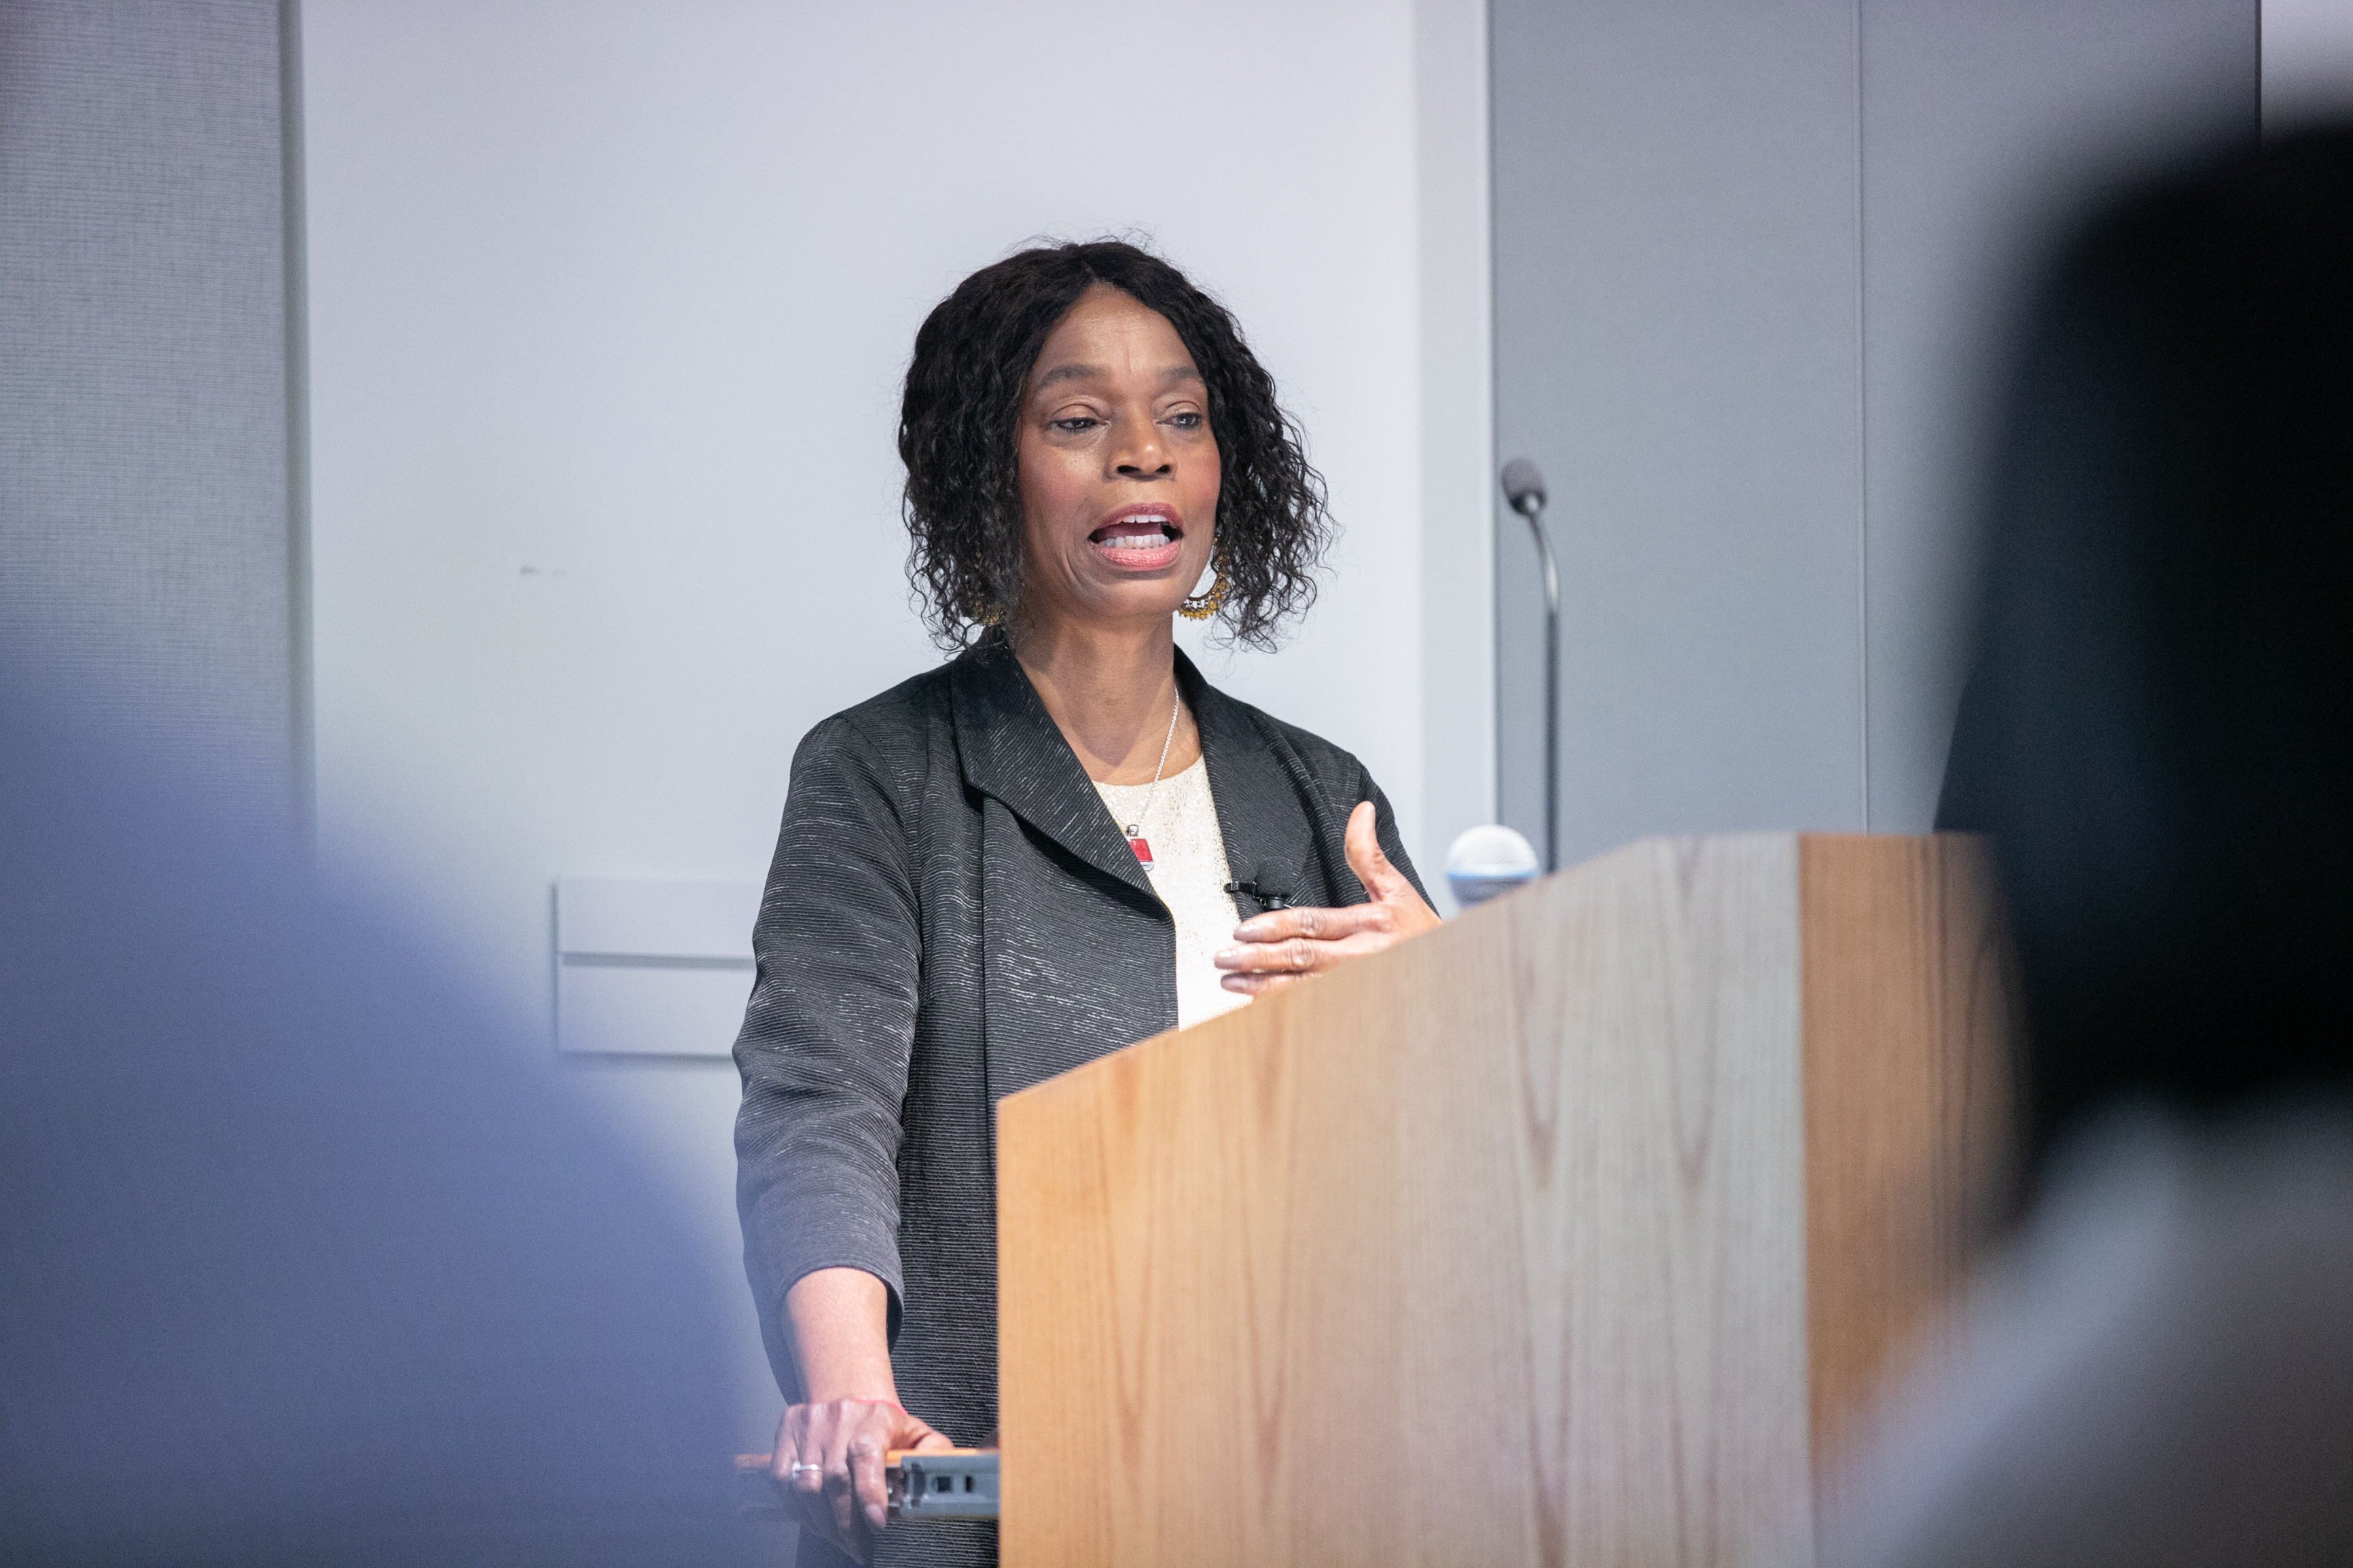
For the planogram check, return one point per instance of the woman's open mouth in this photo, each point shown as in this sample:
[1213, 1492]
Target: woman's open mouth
[1140, 539]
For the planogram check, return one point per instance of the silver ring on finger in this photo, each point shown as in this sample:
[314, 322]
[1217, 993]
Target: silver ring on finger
[800, 1469]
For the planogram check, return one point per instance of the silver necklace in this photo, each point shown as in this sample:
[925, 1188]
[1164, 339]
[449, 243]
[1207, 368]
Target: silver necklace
[1135, 830]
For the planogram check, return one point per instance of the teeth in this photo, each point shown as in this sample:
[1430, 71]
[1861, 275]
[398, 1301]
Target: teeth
[1136, 542]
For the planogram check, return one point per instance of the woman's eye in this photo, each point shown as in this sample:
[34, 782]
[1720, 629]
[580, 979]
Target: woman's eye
[1189, 420]
[1077, 424]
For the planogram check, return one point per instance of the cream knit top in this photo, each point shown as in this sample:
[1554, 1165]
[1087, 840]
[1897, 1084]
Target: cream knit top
[1190, 873]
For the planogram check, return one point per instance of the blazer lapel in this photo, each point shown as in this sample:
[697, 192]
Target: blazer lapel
[1267, 807]
[1009, 749]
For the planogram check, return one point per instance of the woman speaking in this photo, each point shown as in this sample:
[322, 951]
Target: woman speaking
[1060, 842]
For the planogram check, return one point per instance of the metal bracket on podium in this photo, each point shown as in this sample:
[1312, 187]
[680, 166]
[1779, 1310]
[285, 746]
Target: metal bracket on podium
[960, 1483]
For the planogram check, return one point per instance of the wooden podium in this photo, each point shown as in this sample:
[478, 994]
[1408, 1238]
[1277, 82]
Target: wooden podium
[1569, 1234]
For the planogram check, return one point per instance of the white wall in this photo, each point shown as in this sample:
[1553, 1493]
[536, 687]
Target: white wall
[609, 303]
[1458, 440]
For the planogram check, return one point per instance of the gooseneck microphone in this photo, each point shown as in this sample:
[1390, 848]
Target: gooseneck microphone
[1524, 492]
[1523, 487]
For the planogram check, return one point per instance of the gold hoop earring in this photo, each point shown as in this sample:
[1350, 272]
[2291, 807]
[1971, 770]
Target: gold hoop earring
[1201, 606]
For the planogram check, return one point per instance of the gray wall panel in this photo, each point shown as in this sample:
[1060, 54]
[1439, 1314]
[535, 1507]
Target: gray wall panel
[144, 522]
[1747, 254]
[1676, 348]
[1982, 125]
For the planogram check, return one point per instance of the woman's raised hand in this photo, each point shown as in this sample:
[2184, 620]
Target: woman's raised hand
[828, 1460]
[1283, 945]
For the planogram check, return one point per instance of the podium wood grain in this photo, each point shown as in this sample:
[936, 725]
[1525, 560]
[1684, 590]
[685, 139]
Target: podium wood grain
[1909, 1106]
[1498, 1247]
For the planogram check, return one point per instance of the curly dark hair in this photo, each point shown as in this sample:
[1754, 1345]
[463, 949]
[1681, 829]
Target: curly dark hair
[959, 418]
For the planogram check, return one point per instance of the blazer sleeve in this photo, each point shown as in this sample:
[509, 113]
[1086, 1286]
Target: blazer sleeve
[827, 1033]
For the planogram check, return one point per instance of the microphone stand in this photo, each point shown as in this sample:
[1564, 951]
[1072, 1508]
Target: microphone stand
[1531, 506]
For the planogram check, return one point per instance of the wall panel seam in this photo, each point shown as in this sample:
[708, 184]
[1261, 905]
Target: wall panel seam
[301, 742]
[1494, 424]
[1861, 451]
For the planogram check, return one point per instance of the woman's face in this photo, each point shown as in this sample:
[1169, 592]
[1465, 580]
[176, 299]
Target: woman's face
[1119, 470]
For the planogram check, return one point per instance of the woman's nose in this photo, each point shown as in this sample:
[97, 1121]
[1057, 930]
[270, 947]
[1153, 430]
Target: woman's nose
[1140, 454]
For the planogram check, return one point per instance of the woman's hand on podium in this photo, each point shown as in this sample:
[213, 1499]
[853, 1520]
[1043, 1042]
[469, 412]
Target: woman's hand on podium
[829, 1451]
[1283, 945]
[829, 1461]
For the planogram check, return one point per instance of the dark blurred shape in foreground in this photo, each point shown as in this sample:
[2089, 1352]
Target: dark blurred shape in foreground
[2159, 735]
[304, 1259]
[2159, 726]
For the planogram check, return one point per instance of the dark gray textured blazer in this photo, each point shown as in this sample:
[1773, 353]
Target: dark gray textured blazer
[952, 915]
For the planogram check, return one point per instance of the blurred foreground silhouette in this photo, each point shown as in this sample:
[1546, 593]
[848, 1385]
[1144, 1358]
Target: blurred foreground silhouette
[2159, 732]
[304, 1259]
